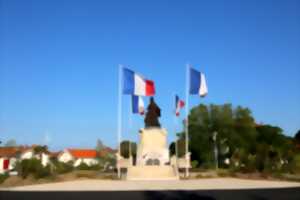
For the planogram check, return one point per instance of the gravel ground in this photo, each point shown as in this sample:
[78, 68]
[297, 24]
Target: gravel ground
[117, 185]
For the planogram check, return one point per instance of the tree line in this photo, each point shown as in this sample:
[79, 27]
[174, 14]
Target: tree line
[242, 143]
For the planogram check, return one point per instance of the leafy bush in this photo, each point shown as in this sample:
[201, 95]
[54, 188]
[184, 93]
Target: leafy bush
[61, 167]
[3, 177]
[296, 164]
[84, 166]
[194, 164]
[43, 172]
[33, 166]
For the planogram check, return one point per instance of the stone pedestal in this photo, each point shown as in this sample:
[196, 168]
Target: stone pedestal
[153, 160]
[153, 147]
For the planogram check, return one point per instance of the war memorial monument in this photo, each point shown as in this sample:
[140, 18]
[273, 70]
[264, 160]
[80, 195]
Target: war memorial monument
[153, 160]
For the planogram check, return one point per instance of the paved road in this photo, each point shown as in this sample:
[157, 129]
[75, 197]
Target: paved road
[198, 184]
[261, 194]
[214, 188]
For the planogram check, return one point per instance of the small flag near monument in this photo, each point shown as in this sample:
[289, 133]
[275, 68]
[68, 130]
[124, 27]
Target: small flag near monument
[179, 104]
[137, 105]
[135, 84]
[197, 83]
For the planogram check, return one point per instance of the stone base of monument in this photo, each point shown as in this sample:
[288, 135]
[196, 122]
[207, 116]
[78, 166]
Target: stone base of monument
[153, 159]
[166, 172]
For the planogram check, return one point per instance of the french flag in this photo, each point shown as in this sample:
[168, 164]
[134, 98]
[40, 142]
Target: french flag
[135, 84]
[179, 104]
[138, 105]
[197, 83]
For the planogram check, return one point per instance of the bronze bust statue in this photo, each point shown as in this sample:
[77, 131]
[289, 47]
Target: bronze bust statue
[152, 115]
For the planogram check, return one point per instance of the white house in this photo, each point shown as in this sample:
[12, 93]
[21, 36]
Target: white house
[10, 155]
[27, 153]
[45, 159]
[8, 158]
[87, 156]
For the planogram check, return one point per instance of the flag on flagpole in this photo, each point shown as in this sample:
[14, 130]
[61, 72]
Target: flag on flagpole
[178, 105]
[197, 83]
[137, 105]
[135, 84]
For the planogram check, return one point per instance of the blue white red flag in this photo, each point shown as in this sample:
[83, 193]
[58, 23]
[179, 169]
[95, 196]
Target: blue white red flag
[138, 105]
[179, 104]
[198, 83]
[135, 84]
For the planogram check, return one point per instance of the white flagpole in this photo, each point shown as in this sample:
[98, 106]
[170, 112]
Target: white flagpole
[186, 119]
[119, 118]
[176, 145]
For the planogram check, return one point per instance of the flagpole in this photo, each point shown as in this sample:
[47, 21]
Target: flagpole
[187, 121]
[119, 118]
[176, 142]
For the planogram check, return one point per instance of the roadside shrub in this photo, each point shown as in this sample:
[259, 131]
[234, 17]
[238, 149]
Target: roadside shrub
[34, 167]
[296, 164]
[250, 164]
[224, 173]
[42, 172]
[3, 177]
[83, 166]
[194, 164]
[61, 167]
[96, 167]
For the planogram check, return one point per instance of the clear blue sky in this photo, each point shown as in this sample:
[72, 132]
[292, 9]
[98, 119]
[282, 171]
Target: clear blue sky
[59, 60]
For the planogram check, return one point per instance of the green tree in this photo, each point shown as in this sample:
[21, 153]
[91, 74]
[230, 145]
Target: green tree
[39, 150]
[250, 146]
[181, 148]
[125, 148]
[297, 137]
[236, 126]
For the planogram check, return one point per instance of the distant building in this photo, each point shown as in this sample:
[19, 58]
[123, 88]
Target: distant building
[26, 153]
[10, 155]
[78, 156]
[8, 158]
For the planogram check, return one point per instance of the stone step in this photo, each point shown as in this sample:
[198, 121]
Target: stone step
[165, 172]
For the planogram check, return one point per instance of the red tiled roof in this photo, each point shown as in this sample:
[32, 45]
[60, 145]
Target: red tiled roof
[83, 153]
[12, 151]
[8, 151]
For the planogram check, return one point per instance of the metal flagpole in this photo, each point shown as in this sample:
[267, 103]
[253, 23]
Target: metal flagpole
[176, 142]
[186, 120]
[119, 118]
[176, 148]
